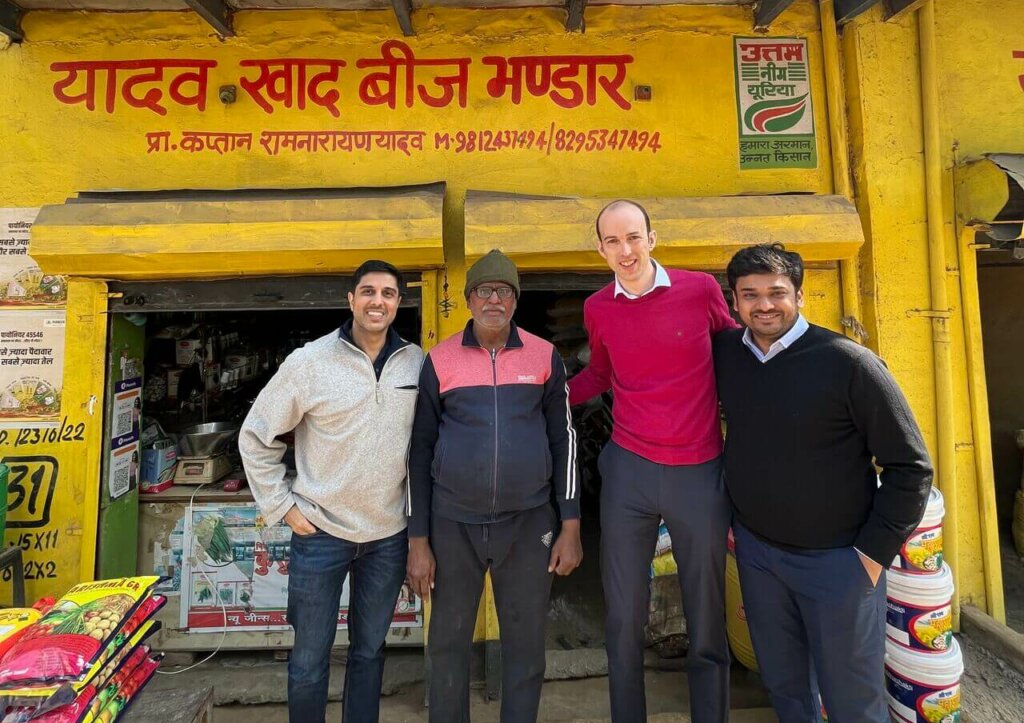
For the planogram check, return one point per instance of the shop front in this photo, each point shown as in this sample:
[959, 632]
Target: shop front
[234, 163]
[190, 353]
[204, 198]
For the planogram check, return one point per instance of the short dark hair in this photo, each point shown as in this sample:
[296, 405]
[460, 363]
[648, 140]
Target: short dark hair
[375, 266]
[621, 202]
[766, 259]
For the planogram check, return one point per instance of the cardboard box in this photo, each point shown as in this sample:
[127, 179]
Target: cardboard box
[186, 350]
[173, 376]
[212, 377]
[158, 468]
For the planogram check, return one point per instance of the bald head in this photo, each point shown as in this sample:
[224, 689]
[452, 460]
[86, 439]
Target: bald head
[621, 203]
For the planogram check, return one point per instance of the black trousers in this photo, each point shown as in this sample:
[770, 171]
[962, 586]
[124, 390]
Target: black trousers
[635, 495]
[517, 551]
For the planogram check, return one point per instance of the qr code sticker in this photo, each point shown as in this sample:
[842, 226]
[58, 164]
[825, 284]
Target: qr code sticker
[119, 482]
[123, 423]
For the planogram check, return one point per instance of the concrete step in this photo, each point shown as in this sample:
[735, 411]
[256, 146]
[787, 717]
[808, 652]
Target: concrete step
[748, 715]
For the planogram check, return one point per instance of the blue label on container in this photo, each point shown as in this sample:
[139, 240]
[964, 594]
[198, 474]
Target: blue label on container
[919, 627]
[912, 702]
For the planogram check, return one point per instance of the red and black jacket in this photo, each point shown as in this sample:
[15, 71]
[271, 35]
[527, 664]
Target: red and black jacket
[493, 434]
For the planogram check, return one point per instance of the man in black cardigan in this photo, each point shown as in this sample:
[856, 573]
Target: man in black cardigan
[809, 415]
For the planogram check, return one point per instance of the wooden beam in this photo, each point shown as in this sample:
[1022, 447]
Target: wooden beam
[574, 21]
[847, 10]
[216, 13]
[898, 7]
[10, 21]
[767, 10]
[403, 11]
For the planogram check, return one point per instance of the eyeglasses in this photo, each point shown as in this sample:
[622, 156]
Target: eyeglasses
[503, 292]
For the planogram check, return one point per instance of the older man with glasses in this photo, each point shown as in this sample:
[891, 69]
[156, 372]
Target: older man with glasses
[492, 448]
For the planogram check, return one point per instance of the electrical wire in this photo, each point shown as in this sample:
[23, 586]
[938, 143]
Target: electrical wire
[202, 572]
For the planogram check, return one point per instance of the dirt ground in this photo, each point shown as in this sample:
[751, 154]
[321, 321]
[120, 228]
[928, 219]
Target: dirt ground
[992, 691]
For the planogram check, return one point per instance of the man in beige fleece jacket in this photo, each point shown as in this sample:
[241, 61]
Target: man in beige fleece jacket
[350, 396]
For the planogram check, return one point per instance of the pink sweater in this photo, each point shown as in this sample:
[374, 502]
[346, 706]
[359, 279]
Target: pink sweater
[654, 353]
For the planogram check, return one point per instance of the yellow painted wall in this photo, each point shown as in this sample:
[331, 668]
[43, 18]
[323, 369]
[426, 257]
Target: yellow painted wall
[983, 106]
[981, 110]
[982, 80]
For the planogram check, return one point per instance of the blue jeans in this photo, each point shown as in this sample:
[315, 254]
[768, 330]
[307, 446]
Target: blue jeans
[316, 573]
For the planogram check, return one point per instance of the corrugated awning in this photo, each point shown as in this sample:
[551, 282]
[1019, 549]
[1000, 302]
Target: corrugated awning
[990, 195]
[547, 234]
[226, 237]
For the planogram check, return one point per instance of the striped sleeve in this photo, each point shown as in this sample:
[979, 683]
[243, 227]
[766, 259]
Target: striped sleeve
[562, 440]
[425, 431]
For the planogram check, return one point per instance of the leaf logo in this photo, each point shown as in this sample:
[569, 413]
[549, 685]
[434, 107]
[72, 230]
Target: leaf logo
[773, 116]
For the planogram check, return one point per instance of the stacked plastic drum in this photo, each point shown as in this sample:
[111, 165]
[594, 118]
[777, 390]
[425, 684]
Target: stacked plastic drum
[735, 617]
[923, 664]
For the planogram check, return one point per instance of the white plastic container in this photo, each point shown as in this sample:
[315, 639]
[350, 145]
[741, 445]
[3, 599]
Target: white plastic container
[923, 687]
[922, 552]
[918, 612]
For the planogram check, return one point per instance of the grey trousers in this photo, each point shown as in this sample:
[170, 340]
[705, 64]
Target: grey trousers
[635, 495]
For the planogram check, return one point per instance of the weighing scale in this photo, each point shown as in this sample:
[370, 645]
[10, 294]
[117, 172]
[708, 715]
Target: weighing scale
[202, 470]
[202, 453]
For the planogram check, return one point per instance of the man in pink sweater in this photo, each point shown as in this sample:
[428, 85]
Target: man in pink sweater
[650, 341]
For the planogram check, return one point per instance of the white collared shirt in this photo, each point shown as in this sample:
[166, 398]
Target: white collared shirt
[660, 279]
[781, 344]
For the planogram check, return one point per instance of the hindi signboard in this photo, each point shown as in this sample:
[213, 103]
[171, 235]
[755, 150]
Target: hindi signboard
[773, 99]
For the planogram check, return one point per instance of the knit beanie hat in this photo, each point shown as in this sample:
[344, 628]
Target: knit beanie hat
[495, 266]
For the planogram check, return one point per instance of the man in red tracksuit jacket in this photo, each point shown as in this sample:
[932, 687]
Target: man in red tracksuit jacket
[650, 340]
[493, 448]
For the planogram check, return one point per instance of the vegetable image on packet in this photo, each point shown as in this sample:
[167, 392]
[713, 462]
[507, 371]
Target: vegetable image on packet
[77, 632]
[213, 539]
[122, 682]
[43, 699]
[15, 621]
[107, 692]
[126, 693]
[90, 700]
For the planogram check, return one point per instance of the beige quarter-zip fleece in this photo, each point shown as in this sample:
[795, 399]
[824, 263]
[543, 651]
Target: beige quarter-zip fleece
[351, 438]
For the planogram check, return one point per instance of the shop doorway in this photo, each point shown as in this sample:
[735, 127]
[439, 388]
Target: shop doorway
[1001, 298]
[198, 353]
[551, 306]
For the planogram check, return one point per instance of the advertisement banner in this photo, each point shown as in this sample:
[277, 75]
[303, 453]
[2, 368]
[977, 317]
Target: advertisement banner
[235, 570]
[773, 97]
[31, 368]
[22, 282]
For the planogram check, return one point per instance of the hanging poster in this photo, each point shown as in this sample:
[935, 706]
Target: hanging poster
[773, 97]
[124, 470]
[22, 282]
[234, 567]
[31, 368]
[125, 450]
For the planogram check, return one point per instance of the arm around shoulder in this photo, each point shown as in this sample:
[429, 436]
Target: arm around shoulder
[596, 377]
